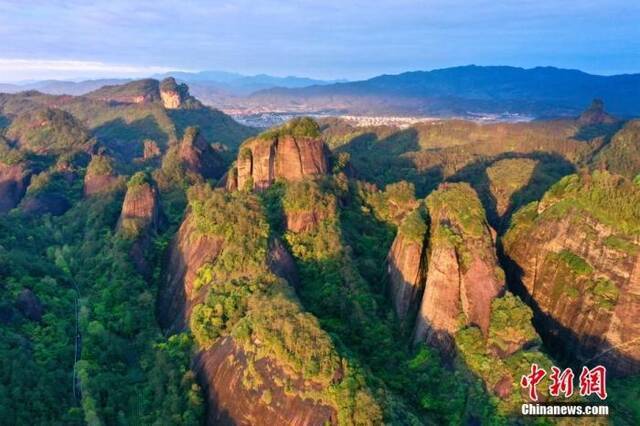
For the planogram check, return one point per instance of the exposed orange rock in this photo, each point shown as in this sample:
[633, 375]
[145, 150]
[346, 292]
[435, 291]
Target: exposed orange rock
[188, 253]
[175, 96]
[407, 274]
[139, 220]
[140, 208]
[262, 161]
[463, 276]
[96, 184]
[303, 221]
[581, 276]
[222, 368]
[198, 157]
[14, 180]
[151, 150]
[100, 176]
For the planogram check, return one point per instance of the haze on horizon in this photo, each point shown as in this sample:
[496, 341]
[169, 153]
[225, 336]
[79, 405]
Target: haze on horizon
[332, 39]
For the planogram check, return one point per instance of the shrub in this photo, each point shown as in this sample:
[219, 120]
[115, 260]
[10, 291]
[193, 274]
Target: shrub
[302, 127]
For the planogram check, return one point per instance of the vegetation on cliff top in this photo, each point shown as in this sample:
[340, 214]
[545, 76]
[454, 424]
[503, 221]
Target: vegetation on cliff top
[48, 130]
[259, 310]
[100, 165]
[341, 266]
[608, 198]
[414, 226]
[302, 127]
[459, 206]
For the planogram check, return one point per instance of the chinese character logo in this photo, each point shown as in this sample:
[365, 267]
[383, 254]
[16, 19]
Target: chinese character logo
[532, 379]
[591, 381]
[562, 382]
[594, 381]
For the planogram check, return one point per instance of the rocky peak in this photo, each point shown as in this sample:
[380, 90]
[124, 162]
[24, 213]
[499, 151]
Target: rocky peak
[175, 96]
[291, 152]
[198, 157]
[140, 219]
[151, 149]
[462, 272]
[140, 209]
[596, 114]
[306, 205]
[223, 246]
[100, 176]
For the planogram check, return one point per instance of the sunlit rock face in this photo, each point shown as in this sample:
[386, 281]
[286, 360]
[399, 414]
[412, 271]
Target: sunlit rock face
[463, 276]
[261, 161]
[576, 255]
[176, 96]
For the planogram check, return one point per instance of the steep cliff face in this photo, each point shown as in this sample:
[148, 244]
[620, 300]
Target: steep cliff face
[140, 219]
[151, 150]
[198, 157]
[288, 153]
[576, 254]
[189, 251]
[305, 206]
[463, 276]
[100, 176]
[443, 262]
[14, 180]
[225, 282]
[175, 96]
[407, 264]
[224, 366]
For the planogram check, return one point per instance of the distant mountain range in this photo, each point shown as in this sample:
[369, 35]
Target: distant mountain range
[464, 91]
[61, 87]
[207, 84]
[467, 91]
[238, 84]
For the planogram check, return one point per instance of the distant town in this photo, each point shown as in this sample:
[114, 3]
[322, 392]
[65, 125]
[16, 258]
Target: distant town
[270, 119]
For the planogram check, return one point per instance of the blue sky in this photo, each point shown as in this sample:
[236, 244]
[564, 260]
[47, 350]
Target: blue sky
[323, 39]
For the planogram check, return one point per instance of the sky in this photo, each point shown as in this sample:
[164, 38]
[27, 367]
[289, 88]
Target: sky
[329, 39]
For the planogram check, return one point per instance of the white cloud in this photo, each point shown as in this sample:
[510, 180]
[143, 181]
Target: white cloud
[37, 69]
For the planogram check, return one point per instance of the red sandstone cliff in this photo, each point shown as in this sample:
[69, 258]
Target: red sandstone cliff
[222, 368]
[463, 276]
[175, 96]
[582, 275]
[14, 180]
[198, 157]
[139, 219]
[261, 161]
[407, 270]
[100, 176]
